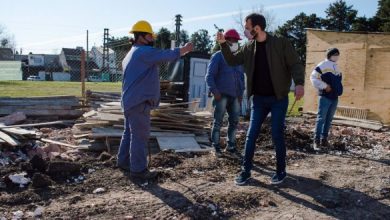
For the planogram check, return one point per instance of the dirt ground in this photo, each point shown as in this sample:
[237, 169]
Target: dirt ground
[349, 180]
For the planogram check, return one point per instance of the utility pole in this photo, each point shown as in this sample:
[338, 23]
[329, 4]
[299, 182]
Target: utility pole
[106, 51]
[178, 20]
[87, 53]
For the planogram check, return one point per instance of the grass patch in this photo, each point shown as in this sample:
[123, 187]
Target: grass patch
[53, 88]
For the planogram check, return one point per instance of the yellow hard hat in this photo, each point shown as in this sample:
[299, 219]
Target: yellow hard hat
[142, 26]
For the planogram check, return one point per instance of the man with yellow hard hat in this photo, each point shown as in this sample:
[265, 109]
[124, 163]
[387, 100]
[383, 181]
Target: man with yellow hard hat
[140, 94]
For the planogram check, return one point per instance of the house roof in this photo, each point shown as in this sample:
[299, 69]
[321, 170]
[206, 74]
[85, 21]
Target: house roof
[100, 50]
[6, 54]
[71, 52]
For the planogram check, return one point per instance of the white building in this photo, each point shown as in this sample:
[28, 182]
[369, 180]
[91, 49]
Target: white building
[96, 55]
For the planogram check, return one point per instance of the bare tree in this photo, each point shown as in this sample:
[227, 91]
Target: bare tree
[269, 18]
[6, 40]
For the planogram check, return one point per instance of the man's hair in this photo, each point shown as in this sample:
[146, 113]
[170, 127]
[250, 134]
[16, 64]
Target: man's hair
[139, 34]
[257, 19]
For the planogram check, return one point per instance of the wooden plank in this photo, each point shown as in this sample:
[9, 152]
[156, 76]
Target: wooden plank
[89, 114]
[165, 105]
[106, 132]
[66, 122]
[375, 127]
[9, 140]
[13, 118]
[19, 131]
[178, 143]
[170, 134]
[39, 102]
[91, 124]
[38, 107]
[40, 97]
[110, 117]
[43, 112]
[59, 143]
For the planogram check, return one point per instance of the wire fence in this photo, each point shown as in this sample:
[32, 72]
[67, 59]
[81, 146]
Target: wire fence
[101, 64]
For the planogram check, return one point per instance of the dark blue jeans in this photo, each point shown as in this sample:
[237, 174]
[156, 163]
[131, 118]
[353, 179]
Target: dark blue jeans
[135, 138]
[261, 107]
[326, 110]
[231, 105]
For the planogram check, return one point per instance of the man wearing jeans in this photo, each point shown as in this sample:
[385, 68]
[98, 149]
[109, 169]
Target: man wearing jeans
[269, 63]
[227, 85]
[140, 94]
[326, 77]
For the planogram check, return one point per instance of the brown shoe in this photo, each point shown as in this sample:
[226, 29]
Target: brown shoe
[144, 175]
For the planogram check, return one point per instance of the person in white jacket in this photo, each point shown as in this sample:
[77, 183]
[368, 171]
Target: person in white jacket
[326, 78]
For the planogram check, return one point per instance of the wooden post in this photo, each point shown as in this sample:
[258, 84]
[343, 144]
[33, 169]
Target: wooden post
[82, 75]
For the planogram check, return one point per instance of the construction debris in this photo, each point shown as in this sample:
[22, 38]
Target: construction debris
[13, 118]
[104, 126]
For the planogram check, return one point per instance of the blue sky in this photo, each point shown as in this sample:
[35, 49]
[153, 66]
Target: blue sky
[45, 26]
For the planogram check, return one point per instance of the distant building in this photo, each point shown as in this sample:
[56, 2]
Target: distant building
[9, 68]
[96, 55]
[70, 60]
[6, 54]
[36, 64]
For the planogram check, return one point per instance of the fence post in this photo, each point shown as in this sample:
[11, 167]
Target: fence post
[82, 76]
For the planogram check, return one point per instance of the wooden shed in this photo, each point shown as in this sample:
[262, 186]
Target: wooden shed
[365, 64]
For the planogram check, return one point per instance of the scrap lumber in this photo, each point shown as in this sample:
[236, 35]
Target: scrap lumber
[58, 106]
[59, 143]
[9, 139]
[173, 121]
[13, 118]
[65, 122]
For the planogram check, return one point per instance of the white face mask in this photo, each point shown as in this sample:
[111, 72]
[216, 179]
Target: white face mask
[234, 47]
[334, 58]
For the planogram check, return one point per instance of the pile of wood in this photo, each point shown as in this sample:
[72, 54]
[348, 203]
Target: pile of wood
[14, 137]
[173, 126]
[95, 99]
[13, 132]
[53, 107]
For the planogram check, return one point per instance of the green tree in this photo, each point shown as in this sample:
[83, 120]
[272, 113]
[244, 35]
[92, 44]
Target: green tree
[121, 46]
[339, 16]
[201, 41]
[294, 30]
[184, 37]
[383, 15]
[361, 24]
[163, 40]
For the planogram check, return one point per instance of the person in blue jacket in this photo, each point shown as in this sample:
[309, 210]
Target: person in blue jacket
[227, 84]
[140, 94]
[326, 78]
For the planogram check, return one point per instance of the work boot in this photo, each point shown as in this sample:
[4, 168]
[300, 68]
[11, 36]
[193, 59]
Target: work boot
[218, 152]
[316, 145]
[144, 175]
[324, 143]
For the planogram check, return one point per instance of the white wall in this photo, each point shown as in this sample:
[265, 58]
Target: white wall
[36, 60]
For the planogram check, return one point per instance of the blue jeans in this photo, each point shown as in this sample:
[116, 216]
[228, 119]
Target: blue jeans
[232, 106]
[326, 110]
[261, 107]
[135, 138]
